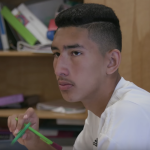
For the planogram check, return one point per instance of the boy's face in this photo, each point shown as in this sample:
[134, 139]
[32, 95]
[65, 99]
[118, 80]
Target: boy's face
[78, 64]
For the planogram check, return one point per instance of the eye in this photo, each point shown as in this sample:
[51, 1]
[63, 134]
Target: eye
[76, 53]
[56, 54]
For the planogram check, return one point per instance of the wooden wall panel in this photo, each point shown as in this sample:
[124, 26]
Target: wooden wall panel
[141, 46]
[135, 25]
[28, 75]
[125, 15]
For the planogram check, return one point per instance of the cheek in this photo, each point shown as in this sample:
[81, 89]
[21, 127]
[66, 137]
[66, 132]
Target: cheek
[88, 73]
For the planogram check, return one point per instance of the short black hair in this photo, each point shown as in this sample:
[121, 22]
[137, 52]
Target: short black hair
[100, 21]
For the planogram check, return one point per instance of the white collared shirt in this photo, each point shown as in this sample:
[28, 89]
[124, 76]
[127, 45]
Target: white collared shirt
[124, 125]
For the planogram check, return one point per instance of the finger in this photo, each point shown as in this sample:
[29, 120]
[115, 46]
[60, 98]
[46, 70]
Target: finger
[28, 135]
[24, 136]
[8, 123]
[20, 123]
[29, 113]
[12, 123]
[31, 116]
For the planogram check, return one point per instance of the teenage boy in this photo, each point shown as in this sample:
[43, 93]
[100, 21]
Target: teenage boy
[87, 54]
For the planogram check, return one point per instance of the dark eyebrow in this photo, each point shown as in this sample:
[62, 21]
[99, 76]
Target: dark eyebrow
[68, 47]
[73, 46]
[54, 48]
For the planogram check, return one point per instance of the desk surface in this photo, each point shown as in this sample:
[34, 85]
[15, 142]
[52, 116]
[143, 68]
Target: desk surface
[44, 114]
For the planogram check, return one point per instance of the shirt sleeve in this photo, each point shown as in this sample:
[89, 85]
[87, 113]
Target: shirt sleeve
[126, 127]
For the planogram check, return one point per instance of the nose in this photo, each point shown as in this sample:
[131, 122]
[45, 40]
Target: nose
[61, 66]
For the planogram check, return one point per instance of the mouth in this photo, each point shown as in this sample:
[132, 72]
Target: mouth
[63, 85]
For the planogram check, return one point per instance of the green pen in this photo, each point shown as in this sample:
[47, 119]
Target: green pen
[42, 137]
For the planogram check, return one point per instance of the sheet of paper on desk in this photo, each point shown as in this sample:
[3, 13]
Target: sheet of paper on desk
[62, 106]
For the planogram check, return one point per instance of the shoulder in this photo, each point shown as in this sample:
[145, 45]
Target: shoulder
[129, 97]
[126, 124]
[126, 110]
[131, 92]
[128, 91]
[125, 116]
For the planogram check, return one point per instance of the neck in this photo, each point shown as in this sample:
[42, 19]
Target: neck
[99, 102]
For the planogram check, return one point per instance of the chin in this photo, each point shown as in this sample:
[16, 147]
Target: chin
[71, 96]
[70, 99]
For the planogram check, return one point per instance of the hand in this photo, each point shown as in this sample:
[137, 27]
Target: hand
[29, 139]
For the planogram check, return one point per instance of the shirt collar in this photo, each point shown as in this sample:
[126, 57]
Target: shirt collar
[113, 99]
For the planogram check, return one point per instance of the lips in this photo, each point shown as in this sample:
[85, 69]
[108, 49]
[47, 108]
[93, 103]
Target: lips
[64, 85]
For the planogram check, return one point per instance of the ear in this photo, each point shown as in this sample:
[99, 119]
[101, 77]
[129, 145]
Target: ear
[114, 59]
